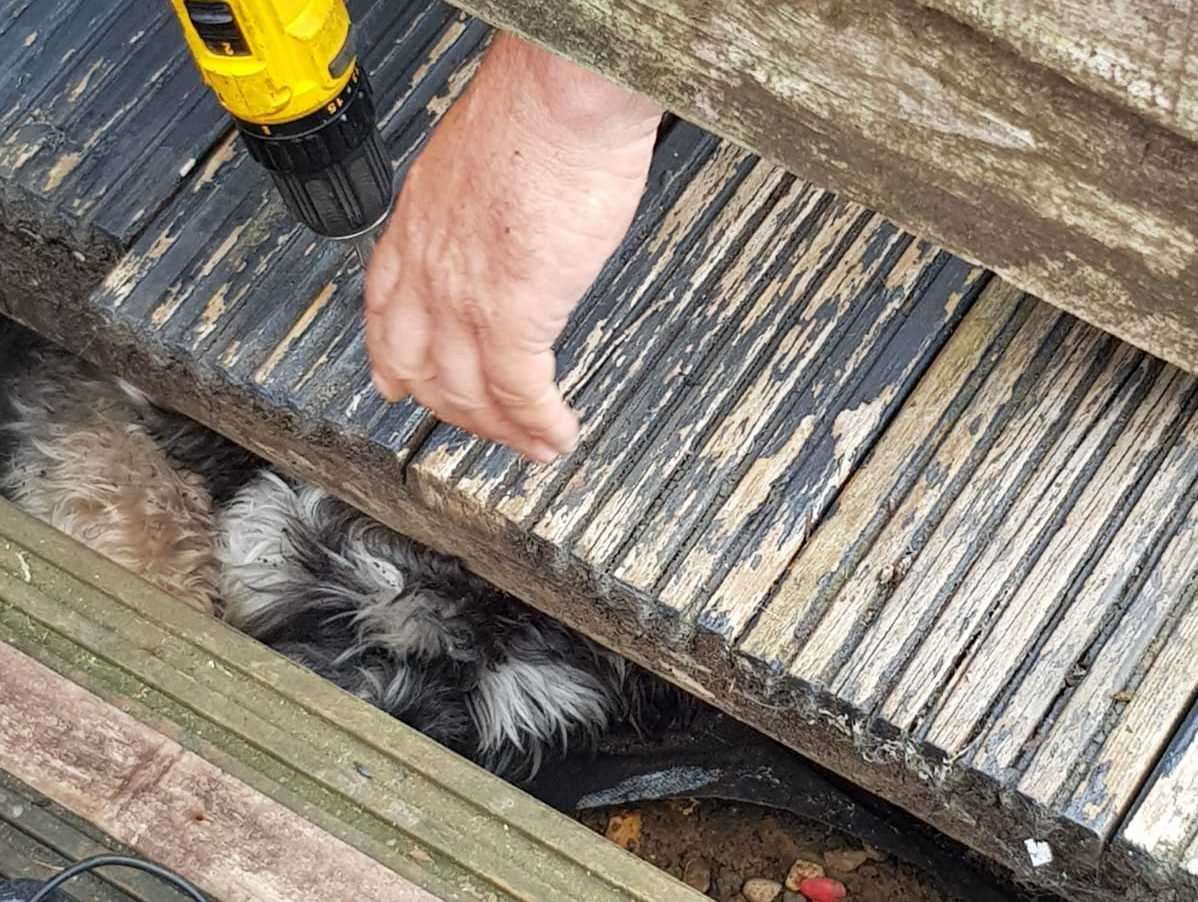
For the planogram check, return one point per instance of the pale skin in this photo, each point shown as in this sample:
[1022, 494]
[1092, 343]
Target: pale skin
[523, 192]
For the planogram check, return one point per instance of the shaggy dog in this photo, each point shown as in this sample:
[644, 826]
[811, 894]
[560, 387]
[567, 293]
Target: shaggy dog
[406, 629]
[82, 456]
[412, 632]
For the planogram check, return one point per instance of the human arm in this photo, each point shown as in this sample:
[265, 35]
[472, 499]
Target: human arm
[523, 192]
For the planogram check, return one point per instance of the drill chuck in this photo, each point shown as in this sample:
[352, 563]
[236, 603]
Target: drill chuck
[330, 166]
[287, 72]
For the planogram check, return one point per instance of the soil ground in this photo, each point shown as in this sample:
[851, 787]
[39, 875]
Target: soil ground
[734, 843]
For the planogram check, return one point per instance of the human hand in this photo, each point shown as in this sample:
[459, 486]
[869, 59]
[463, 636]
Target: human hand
[521, 195]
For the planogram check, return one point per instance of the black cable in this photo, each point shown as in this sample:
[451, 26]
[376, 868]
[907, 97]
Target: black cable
[101, 861]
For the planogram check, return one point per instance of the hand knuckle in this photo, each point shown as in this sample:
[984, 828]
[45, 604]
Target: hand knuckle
[476, 313]
[462, 402]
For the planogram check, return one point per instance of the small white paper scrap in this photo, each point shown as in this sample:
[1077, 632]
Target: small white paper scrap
[1039, 852]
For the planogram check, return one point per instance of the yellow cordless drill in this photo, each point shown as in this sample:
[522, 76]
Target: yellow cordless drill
[288, 73]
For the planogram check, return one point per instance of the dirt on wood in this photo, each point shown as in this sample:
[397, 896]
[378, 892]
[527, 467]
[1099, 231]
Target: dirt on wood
[720, 847]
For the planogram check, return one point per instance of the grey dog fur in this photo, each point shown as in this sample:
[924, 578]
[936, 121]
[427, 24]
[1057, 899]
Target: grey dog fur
[403, 627]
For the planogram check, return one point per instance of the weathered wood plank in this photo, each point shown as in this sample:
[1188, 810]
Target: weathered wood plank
[1163, 831]
[788, 487]
[1064, 193]
[169, 803]
[227, 243]
[39, 837]
[21, 858]
[956, 583]
[677, 258]
[794, 309]
[831, 479]
[823, 310]
[1155, 664]
[102, 118]
[1139, 53]
[1082, 631]
[1013, 608]
[928, 436]
[211, 722]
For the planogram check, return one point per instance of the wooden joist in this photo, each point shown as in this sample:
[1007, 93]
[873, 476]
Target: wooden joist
[256, 779]
[1139, 53]
[1069, 193]
[921, 526]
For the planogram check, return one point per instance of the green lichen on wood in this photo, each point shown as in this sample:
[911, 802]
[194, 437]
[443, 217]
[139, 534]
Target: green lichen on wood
[429, 815]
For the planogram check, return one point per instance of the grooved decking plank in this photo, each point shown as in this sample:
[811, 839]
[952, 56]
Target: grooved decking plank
[227, 284]
[223, 726]
[647, 292]
[824, 311]
[1163, 832]
[1019, 615]
[102, 118]
[39, 837]
[912, 522]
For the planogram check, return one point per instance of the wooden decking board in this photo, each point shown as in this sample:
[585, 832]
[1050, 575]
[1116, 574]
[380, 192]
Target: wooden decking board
[21, 858]
[926, 301]
[853, 614]
[786, 489]
[1004, 616]
[902, 657]
[777, 306]
[102, 119]
[1163, 831]
[637, 396]
[199, 280]
[652, 421]
[38, 837]
[1139, 729]
[803, 599]
[10, 11]
[905, 518]
[653, 294]
[1136, 584]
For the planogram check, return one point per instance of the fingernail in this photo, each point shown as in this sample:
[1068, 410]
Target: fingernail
[561, 445]
[543, 453]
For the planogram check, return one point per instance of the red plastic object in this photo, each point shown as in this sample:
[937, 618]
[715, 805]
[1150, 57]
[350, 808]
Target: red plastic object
[823, 889]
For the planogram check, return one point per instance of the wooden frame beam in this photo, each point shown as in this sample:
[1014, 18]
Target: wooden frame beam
[1063, 191]
[1139, 53]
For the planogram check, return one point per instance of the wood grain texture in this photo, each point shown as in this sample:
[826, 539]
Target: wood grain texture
[753, 410]
[1139, 53]
[230, 284]
[911, 521]
[1163, 832]
[102, 118]
[142, 717]
[39, 837]
[1068, 195]
[1019, 615]
[170, 804]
